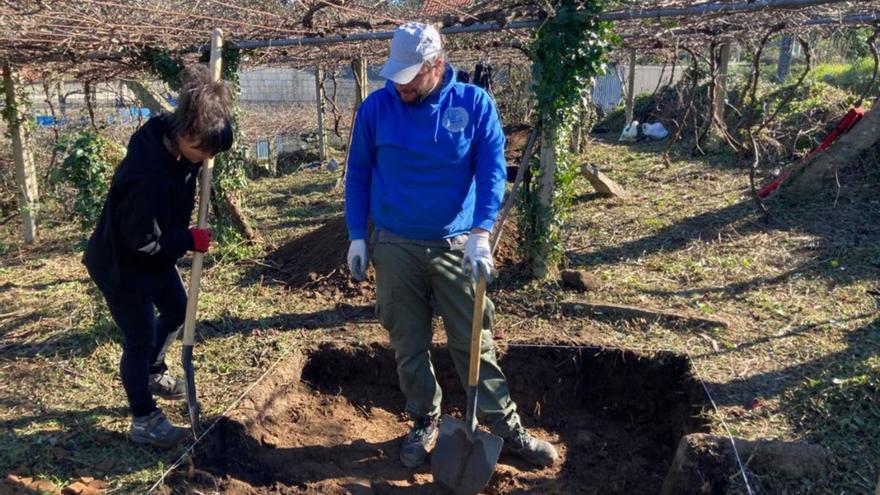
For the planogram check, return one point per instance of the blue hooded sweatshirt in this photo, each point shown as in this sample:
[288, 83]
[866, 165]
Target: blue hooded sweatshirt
[426, 171]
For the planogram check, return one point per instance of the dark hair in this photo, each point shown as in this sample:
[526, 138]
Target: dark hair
[204, 111]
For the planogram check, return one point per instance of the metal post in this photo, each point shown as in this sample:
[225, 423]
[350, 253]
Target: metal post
[25, 173]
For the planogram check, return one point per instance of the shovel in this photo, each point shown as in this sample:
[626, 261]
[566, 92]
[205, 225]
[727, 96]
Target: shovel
[464, 457]
[192, 302]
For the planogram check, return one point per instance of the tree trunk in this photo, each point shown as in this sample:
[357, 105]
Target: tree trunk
[783, 66]
[547, 184]
[808, 178]
[232, 208]
[25, 173]
[148, 97]
[717, 127]
[721, 83]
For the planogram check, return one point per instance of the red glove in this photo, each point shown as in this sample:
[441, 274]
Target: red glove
[201, 239]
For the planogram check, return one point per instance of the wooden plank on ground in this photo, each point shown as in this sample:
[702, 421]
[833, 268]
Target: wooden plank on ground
[602, 183]
[629, 312]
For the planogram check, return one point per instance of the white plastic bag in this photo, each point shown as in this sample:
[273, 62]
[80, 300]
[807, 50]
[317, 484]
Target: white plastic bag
[655, 130]
[630, 132]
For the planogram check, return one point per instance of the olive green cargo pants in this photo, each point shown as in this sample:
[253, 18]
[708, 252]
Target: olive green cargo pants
[408, 272]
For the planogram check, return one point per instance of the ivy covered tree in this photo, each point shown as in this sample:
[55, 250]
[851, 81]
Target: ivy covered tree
[567, 53]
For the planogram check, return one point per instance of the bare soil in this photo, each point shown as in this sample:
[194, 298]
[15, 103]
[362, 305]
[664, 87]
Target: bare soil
[329, 421]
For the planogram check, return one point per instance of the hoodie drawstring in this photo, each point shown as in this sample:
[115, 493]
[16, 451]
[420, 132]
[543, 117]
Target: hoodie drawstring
[437, 125]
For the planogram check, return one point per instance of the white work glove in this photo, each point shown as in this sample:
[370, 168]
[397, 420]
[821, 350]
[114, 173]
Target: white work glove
[477, 259]
[357, 259]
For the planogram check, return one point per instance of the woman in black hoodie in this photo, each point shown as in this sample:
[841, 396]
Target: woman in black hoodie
[143, 230]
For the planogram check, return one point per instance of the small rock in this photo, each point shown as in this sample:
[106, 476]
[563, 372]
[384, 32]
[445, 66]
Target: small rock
[41, 486]
[270, 440]
[756, 403]
[580, 280]
[79, 488]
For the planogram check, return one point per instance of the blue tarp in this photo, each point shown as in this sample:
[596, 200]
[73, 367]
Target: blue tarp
[123, 116]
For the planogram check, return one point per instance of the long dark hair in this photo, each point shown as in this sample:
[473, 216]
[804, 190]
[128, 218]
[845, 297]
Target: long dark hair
[204, 111]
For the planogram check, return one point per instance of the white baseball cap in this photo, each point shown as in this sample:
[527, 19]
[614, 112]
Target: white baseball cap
[413, 43]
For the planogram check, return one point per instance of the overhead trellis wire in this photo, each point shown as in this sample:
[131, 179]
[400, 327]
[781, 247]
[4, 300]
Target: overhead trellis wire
[97, 38]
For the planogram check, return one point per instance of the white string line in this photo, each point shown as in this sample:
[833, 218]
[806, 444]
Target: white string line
[739, 462]
[186, 453]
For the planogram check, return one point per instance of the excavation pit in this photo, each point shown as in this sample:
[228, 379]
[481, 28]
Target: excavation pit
[329, 421]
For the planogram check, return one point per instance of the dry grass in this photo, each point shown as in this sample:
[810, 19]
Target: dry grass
[803, 337]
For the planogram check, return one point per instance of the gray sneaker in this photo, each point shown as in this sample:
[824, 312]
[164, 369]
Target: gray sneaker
[167, 387]
[420, 440]
[156, 430]
[530, 449]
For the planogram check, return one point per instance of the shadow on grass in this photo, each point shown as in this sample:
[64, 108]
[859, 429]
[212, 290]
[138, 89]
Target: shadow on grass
[831, 400]
[334, 317]
[65, 445]
[844, 252]
[683, 151]
[62, 343]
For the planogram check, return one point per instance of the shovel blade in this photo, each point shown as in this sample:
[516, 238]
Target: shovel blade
[463, 462]
[191, 399]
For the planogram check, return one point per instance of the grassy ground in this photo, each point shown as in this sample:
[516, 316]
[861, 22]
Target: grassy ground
[802, 339]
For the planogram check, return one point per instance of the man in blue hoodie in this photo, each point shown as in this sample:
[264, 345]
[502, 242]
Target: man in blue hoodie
[427, 166]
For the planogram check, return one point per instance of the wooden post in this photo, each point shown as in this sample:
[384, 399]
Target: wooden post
[362, 89]
[62, 99]
[120, 93]
[631, 86]
[721, 83]
[547, 184]
[25, 173]
[362, 83]
[319, 94]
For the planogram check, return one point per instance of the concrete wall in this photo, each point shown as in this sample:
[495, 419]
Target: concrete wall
[609, 90]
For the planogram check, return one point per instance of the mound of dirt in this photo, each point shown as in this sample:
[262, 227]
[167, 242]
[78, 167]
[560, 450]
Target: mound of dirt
[316, 260]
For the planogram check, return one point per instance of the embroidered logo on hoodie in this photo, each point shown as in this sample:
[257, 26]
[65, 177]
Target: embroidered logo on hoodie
[455, 119]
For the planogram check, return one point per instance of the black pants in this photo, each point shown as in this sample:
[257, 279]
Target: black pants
[147, 337]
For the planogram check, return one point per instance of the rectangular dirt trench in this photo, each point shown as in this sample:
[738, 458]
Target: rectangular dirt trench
[330, 420]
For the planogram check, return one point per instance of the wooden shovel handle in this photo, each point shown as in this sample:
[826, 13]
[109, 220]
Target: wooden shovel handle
[477, 331]
[192, 303]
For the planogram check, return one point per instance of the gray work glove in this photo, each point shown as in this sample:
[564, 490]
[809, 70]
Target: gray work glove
[477, 259]
[358, 259]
